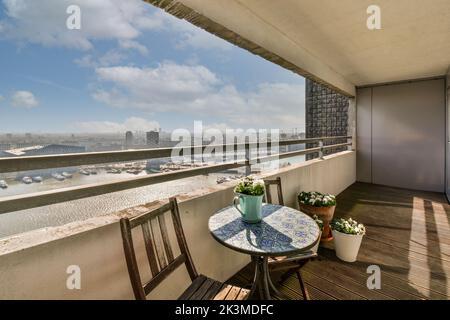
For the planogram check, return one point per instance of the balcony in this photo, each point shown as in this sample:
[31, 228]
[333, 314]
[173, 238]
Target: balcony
[97, 241]
[391, 171]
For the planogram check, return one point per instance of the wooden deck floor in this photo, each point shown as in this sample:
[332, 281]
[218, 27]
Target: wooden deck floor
[408, 237]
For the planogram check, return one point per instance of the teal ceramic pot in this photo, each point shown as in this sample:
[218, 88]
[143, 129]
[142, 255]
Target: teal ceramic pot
[250, 207]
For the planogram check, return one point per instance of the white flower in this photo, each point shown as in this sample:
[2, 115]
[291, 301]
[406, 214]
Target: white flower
[259, 181]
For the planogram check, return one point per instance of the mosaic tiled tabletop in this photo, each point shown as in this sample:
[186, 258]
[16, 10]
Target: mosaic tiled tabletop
[283, 231]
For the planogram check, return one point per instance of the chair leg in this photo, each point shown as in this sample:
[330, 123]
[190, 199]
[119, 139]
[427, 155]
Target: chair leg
[302, 286]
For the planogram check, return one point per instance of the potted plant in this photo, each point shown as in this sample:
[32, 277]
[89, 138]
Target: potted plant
[248, 200]
[319, 204]
[348, 236]
[320, 225]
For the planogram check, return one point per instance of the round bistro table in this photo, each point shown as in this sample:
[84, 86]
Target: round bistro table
[283, 231]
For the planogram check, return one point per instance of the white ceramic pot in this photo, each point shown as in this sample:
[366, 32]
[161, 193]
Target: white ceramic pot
[316, 246]
[346, 245]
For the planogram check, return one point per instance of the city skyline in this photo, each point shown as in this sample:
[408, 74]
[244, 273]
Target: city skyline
[147, 70]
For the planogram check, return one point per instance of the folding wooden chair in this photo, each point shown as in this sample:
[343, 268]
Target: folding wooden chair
[162, 261]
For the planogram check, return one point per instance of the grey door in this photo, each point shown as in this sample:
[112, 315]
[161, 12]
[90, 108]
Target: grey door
[407, 135]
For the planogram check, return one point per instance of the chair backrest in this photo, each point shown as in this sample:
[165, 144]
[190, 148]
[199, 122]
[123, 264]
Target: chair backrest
[157, 246]
[276, 182]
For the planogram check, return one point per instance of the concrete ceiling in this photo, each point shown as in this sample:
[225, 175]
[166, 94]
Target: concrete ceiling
[329, 39]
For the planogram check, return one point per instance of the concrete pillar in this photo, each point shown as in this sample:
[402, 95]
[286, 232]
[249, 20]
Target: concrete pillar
[352, 121]
[447, 160]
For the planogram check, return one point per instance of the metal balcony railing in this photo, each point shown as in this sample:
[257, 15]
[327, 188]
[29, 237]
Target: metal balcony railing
[43, 198]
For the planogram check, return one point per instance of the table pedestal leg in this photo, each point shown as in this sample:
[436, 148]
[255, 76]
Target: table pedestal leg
[262, 280]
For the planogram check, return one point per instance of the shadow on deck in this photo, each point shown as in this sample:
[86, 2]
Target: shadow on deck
[408, 237]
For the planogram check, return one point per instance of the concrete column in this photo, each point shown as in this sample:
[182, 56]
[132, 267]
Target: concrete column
[352, 121]
[447, 151]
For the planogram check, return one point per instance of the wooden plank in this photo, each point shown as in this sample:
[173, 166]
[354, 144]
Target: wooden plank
[389, 278]
[213, 290]
[243, 294]
[192, 288]
[330, 288]
[202, 290]
[182, 243]
[354, 284]
[163, 274]
[396, 289]
[399, 218]
[413, 273]
[130, 257]
[165, 238]
[145, 217]
[223, 292]
[149, 248]
[417, 244]
[280, 192]
[291, 289]
[233, 293]
[159, 247]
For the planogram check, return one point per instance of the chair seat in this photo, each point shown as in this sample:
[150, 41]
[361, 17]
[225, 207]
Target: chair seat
[204, 288]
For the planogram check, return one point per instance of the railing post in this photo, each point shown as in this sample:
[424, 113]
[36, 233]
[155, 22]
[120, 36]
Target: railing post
[248, 167]
[321, 149]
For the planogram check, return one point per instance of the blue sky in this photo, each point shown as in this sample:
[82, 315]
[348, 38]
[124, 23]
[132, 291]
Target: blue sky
[132, 67]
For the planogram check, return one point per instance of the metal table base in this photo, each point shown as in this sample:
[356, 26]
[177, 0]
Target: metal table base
[262, 280]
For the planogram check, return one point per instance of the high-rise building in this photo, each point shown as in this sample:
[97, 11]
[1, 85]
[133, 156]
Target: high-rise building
[326, 115]
[152, 138]
[128, 139]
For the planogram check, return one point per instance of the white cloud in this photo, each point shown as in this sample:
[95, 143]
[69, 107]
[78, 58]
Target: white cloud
[131, 44]
[217, 126]
[44, 22]
[111, 57]
[160, 89]
[195, 90]
[24, 99]
[188, 35]
[133, 124]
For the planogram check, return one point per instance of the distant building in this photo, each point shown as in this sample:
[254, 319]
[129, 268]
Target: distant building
[9, 136]
[152, 138]
[128, 139]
